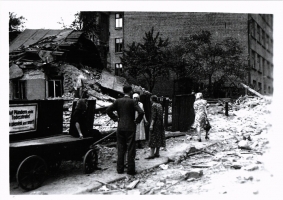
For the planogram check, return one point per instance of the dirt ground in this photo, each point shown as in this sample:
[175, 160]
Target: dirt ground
[230, 163]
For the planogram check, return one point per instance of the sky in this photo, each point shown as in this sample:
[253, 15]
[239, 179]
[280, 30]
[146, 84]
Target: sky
[44, 19]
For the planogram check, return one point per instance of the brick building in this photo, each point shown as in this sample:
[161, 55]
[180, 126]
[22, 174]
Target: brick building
[254, 31]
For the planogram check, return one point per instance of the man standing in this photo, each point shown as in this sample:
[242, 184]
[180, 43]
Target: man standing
[126, 130]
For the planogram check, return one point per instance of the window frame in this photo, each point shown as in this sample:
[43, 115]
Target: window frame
[258, 33]
[119, 20]
[253, 62]
[119, 69]
[54, 88]
[21, 89]
[118, 45]
[252, 28]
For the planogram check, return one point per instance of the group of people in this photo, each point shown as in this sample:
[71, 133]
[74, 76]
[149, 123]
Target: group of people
[128, 111]
[131, 120]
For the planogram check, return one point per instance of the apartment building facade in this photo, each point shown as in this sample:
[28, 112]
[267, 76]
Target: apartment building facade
[254, 31]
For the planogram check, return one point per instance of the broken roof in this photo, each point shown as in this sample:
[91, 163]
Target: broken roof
[45, 46]
[32, 36]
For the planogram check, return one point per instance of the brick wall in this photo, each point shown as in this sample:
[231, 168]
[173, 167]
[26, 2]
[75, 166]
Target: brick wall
[180, 24]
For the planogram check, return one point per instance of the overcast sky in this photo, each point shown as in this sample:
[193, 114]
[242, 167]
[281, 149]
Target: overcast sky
[44, 19]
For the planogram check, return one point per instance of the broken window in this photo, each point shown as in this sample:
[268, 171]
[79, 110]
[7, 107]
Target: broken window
[19, 89]
[118, 45]
[118, 69]
[54, 88]
[119, 20]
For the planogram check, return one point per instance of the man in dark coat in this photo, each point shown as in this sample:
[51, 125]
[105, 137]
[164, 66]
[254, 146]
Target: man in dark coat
[126, 108]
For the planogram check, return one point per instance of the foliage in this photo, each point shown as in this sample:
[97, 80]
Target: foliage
[207, 60]
[147, 61]
[16, 23]
[85, 21]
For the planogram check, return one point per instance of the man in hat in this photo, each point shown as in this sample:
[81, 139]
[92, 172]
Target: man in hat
[126, 130]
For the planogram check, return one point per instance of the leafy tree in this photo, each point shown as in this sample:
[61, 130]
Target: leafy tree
[147, 61]
[16, 23]
[210, 61]
[85, 21]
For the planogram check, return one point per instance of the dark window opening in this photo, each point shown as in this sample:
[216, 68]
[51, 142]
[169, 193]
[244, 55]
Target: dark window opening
[252, 59]
[19, 89]
[258, 33]
[54, 88]
[118, 45]
[118, 69]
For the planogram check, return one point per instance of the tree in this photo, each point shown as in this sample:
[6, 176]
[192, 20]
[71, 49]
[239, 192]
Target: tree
[146, 61]
[85, 21]
[207, 60]
[16, 23]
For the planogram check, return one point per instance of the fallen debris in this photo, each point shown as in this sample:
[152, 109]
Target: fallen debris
[133, 184]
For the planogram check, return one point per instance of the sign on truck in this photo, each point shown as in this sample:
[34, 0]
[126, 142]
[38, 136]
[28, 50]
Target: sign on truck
[23, 118]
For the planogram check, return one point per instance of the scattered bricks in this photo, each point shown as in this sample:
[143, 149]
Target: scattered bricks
[236, 166]
[160, 184]
[251, 167]
[195, 173]
[133, 184]
[243, 144]
[250, 178]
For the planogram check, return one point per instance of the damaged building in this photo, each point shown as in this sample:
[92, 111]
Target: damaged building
[45, 63]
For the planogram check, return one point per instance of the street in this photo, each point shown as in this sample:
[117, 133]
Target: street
[225, 164]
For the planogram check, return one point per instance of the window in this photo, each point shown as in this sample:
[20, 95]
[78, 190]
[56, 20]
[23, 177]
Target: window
[254, 84]
[19, 89]
[119, 20]
[260, 63]
[269, 90]
[259, 86]
[267, 42]
[118, 45]
[252, 59]
[257, 62]
[263, 38]
[118, 69]
[252, 28]
[258, 33]
[267, 68]
[54, 88]
[264, 89]
[263, 66]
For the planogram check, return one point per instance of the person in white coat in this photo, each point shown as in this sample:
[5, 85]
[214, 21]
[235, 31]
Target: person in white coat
[140, 130]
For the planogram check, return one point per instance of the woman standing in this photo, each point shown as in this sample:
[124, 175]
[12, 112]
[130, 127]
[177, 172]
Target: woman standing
[157, 132]
[140, 130]
[200, 115]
